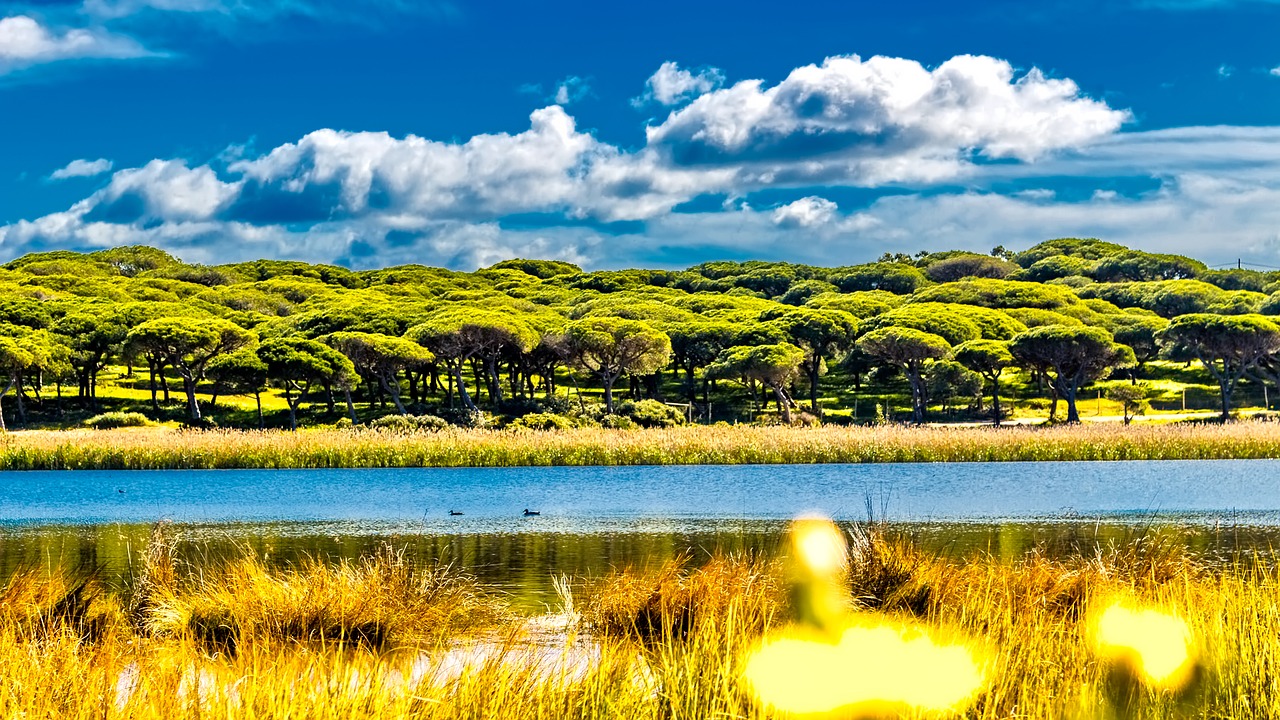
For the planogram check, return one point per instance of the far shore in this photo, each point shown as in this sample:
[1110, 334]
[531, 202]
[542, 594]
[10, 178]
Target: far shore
[165, 448]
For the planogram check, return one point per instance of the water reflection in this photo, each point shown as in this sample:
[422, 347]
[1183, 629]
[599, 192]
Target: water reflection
[524, 563]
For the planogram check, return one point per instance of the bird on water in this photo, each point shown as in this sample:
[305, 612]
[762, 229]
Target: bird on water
[455, 512]
[530, 513]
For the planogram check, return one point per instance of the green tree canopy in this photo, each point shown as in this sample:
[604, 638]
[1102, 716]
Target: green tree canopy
[1227, 346]
[382, 357]
[297, 363]
[774, 366]
[908, 349]
[988, 358]
[610, 347]
[188, 344]
[1076, 355]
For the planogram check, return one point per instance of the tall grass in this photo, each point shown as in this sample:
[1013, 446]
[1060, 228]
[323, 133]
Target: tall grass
[662, 643]
[157, 449]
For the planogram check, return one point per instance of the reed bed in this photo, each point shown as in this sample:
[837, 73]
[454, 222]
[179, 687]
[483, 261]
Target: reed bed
[159, 449]
[668, 642]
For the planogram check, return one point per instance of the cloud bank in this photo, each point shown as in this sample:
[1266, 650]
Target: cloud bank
[940, 139]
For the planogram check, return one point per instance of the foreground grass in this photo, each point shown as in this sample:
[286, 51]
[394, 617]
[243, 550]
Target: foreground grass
[159, 448]
[668, 642]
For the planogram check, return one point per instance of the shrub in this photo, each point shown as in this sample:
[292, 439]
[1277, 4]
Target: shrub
[651, 413]
[409, 423]
[107, 421]
[474, 419]
[617, 422]
[543, 421]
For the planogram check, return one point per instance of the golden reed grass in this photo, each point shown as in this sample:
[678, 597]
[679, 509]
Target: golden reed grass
[157, 449]
[666, 643]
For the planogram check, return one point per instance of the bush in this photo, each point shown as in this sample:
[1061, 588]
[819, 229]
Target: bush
[464, 418]
[617, 422]
[651, 413]
[409, 423]
[107, 421]
[543, 421]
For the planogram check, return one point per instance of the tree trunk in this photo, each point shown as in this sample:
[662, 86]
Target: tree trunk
[995, 398]
[1227, 392]
[917, 395]
[462, 389]
[784, 406]
[151, 366]
[608, 392]
[7, 388]
[257, 397]
[1073, 414]
[495, 382]
[814, 368]
[193, 405]
[293, 408]
[394, 391]
[351, 407]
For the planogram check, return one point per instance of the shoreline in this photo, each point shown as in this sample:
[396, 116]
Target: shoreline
[164, 449]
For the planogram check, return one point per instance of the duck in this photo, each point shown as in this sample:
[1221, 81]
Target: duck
[530, 513]
[455, 512]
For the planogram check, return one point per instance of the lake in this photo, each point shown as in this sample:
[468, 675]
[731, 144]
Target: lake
[594, 518]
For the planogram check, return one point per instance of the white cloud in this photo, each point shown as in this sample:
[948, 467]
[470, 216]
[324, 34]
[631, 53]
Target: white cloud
[1226, 71]
[24, 42]
[1275, 71]
[671, 85]
[884, 120]
[367, 198]
[571, 90]
[806, 212]
[82, 168]
[539, 170]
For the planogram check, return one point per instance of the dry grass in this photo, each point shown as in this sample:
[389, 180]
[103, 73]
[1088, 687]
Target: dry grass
[156, 449]
[695, 625]
[673, 600]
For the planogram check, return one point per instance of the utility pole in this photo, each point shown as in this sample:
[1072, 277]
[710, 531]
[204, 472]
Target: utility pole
[1239, 264]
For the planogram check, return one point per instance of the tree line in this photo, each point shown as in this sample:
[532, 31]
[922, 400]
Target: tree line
[503, 339]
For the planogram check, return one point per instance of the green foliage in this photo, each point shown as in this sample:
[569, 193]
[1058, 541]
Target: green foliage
[968, 265]
[897, 278]
[543, 421]
[988, 357]
[651, 413]
[861, 305]
[1085, 248]
[904, 346]
[543, 269]
[409, 423]
[999, 294]
[940, 319]
[111, 420]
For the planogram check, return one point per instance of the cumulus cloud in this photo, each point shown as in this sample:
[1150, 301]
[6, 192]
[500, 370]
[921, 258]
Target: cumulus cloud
[1275, 71]
[671, 85]
[24, 42]
[805, 212]
[884, 120]
[82, 168]
[368, 198]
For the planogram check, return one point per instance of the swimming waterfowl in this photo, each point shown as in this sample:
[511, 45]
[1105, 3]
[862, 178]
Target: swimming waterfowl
[528, 512]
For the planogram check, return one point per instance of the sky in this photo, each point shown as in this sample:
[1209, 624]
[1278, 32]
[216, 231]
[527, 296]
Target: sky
[370, 133]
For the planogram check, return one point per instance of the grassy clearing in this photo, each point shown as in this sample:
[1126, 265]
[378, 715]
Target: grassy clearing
[669, 642]
[161, 448]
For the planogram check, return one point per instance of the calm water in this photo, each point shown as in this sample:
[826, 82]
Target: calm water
[587, 499]
[597, 518]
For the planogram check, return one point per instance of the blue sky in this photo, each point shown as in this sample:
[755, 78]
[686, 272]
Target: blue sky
[460, 133]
